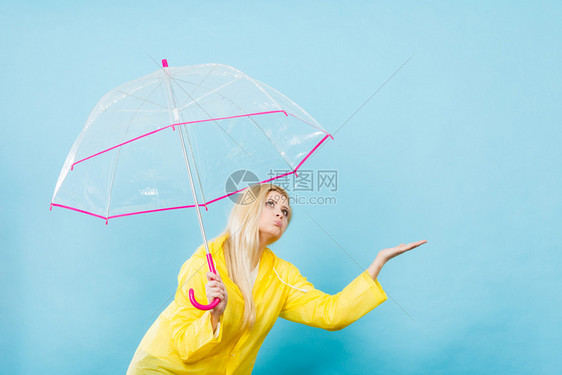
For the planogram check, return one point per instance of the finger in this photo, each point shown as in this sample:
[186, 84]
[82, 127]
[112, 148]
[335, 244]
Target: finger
[211, 284]
[220, 296]
[211, 288]
[413, 245]
[215, 274]
[214, 290]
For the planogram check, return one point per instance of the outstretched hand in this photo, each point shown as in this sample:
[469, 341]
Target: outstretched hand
[390, 253]
[385, 255]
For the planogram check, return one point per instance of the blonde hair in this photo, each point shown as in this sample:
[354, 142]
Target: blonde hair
[242, 242]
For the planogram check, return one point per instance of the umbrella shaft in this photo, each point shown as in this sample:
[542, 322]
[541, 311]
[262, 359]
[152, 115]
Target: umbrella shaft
[176, 119]
[193, 191]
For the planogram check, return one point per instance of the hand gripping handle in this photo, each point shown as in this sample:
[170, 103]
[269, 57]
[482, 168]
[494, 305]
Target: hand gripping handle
[216, 301]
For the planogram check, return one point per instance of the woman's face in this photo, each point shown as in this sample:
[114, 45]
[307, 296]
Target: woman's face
[274, 217]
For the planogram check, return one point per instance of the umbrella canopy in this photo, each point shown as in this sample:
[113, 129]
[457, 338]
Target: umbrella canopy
[141, 139]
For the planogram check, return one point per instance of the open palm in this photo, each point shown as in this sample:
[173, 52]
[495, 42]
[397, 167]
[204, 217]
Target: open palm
[390, 253]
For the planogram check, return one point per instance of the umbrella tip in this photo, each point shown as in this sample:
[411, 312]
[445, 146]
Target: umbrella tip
[164, 63]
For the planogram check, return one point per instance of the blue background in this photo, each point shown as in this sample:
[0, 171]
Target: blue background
[461, 147]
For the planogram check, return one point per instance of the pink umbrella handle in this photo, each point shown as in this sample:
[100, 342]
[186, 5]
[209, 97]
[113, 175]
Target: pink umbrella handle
[216, 301]
[200, 306]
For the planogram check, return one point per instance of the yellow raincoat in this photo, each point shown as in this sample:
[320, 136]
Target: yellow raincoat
[181, 340]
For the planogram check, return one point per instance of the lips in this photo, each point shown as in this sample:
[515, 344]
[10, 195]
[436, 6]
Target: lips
[276, 222]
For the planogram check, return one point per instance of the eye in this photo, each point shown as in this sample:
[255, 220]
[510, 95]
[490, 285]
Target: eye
[285, 212]
[270, 203]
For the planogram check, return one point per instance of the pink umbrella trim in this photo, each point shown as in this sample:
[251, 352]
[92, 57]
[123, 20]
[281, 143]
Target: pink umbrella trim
[192, 205]
[185, 123]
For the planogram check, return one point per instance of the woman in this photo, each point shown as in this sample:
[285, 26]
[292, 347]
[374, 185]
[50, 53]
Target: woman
[255, 287]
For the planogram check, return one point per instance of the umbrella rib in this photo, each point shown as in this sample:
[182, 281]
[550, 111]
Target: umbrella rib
[176, 117]
[194, 101]
[194, 164]
[189, 143]
[197, 85]
[188, 206]
[259, 86]
[110, 187]
[204, 78]
[140, 98]
[318, 126]
[272, 143]
[255, 123]
[125, 94]
[211, 117]
[171, 126]
[262, 90]
[136, 110]
[251, 119]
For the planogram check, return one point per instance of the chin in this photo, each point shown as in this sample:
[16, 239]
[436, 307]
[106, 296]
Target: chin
[274, 239]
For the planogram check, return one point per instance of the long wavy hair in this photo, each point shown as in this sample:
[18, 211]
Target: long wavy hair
[242, 241]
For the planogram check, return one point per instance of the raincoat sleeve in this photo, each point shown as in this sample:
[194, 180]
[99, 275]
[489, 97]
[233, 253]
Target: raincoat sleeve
[192, 331]
[331, 312]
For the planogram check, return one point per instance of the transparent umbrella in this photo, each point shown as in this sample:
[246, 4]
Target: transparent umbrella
[171, 139]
